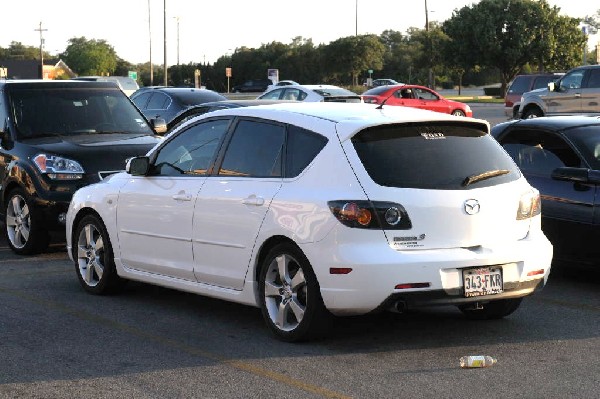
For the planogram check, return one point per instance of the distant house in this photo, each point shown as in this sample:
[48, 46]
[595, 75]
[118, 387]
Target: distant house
[30, 69]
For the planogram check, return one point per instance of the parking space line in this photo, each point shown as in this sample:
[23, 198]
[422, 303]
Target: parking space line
[237, 364]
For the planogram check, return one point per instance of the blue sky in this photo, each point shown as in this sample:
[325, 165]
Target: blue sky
[209, 29]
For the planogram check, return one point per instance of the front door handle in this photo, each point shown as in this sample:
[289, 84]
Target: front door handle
[253, 200]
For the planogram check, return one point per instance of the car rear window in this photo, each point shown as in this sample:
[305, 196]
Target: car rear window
[433, 156]
[520, 84]
[376, 91]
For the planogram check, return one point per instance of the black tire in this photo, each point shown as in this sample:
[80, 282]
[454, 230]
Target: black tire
[94, 260]
[458, 112]
[291, 306]
[533, 113]
[23, 224]
[492, 310]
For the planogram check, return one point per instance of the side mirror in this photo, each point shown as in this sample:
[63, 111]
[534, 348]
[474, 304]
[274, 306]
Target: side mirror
[551, 86]
[159, 125]
[138, 166]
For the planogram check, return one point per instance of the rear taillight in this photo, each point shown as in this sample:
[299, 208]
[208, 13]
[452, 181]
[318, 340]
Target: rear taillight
[371, 215]
[530, 205]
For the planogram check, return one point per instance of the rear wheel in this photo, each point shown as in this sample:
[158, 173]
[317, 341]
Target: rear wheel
[94, 260]
[491, 310]
[24, 229]
[290, 297]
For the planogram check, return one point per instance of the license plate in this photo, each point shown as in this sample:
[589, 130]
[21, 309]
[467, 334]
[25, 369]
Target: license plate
[482, 281]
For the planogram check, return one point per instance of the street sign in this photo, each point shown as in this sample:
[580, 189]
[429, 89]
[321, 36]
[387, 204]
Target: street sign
[132, 75]
[228, 72]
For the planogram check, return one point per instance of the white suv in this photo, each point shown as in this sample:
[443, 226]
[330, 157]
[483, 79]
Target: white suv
[309, 210]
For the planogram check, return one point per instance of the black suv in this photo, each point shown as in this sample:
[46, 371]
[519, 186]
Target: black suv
[55, 137]
[252, 86]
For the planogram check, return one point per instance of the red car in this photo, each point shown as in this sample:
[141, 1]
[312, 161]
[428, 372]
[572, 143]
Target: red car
[417, 97]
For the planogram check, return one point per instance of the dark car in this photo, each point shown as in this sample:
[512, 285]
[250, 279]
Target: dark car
[216, 105]
[168, 102]
[522, 84]
[56, 137]
[252, 86]
[560, 156]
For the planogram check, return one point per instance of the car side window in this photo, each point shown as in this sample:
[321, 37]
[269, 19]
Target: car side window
[302, 147]
[539, 153]
[594, 79]
[572, 80]
[255, 150]
[159, 101]
[424, 94]
[272, 95]
[192, 151]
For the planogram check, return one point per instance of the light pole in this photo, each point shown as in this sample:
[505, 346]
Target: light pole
[165, 34]
[356, 19]
[150, 43]
[177, 19]
[41, 50]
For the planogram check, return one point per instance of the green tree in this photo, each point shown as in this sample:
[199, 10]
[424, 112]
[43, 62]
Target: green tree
[509, 34]
[90, 57]
[350, 56]
[18, 51]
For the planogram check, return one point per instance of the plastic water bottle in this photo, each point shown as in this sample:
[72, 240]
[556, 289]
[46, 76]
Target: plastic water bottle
[477, 361]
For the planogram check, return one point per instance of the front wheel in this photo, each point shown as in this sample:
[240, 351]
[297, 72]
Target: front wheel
[533, 113]
[24, 229]
[491, 310]
[94, 261]
[458, 112]
[290, 298]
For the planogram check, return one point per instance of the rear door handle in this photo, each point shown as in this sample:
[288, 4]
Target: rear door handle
[182, 196]
[253, 200]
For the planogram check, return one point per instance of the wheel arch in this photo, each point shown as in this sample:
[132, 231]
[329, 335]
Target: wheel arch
[530, 107]
[269, 244]
[80, 215]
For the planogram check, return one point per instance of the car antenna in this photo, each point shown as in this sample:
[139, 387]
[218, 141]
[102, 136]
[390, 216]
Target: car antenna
[380, 106]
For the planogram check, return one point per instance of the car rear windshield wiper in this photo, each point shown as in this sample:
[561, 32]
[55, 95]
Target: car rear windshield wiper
[483, 176]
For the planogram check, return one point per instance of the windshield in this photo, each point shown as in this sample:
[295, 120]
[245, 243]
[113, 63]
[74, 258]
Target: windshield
[433, 156]
[47, 111]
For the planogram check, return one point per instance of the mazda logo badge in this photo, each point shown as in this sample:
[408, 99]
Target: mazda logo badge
[472, 206]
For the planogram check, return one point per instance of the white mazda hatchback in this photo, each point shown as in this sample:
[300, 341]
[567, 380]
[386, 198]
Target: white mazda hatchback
[310, 210]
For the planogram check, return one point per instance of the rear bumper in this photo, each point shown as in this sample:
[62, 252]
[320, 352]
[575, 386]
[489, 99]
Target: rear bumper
[378, 269]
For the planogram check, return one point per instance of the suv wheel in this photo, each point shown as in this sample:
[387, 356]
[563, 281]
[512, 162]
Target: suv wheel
[533, 113]
[24, 233]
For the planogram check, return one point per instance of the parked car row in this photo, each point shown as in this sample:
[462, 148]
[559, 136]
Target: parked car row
[251, 212]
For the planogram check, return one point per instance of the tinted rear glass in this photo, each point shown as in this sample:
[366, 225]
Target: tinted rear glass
[432, 156]
[376, 91]
[520, 84]
[197, 97]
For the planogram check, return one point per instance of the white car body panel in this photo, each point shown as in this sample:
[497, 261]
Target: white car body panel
[211, 244]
